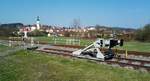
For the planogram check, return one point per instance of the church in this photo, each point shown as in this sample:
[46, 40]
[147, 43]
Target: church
[37, 26]
[30, 28]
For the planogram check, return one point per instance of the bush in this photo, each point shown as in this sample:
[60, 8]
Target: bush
[37, 33]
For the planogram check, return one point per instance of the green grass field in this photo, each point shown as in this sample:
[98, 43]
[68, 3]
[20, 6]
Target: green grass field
[137, 46]
[130, 46]
[33, 66]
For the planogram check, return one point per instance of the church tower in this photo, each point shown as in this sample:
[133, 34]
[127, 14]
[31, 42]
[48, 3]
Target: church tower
[38, 23]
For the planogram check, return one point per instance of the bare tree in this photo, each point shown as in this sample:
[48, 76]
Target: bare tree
[76, 23]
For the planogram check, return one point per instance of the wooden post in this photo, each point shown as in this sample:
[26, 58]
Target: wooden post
[116, 52]
[126, 52]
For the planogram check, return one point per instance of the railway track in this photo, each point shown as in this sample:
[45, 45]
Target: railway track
[137, 64]
[115, 50]
[66, 50]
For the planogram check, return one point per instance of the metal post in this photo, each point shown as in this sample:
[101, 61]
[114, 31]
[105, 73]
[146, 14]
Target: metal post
[9, 43]
[32, 42]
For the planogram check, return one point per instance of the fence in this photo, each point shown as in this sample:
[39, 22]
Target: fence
[13, 46]
[67, 41]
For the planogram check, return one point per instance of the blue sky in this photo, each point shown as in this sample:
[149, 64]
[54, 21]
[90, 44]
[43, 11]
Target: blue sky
[116, 13]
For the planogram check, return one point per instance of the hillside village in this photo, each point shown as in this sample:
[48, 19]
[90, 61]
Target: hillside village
[80, 32]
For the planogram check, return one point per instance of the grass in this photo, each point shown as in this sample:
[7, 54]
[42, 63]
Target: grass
[33, 66]
[62, 40]
[4, 48]
[137, 46]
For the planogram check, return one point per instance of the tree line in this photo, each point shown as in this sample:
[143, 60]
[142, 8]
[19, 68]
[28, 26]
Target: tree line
[11, 29]
[143, 34]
